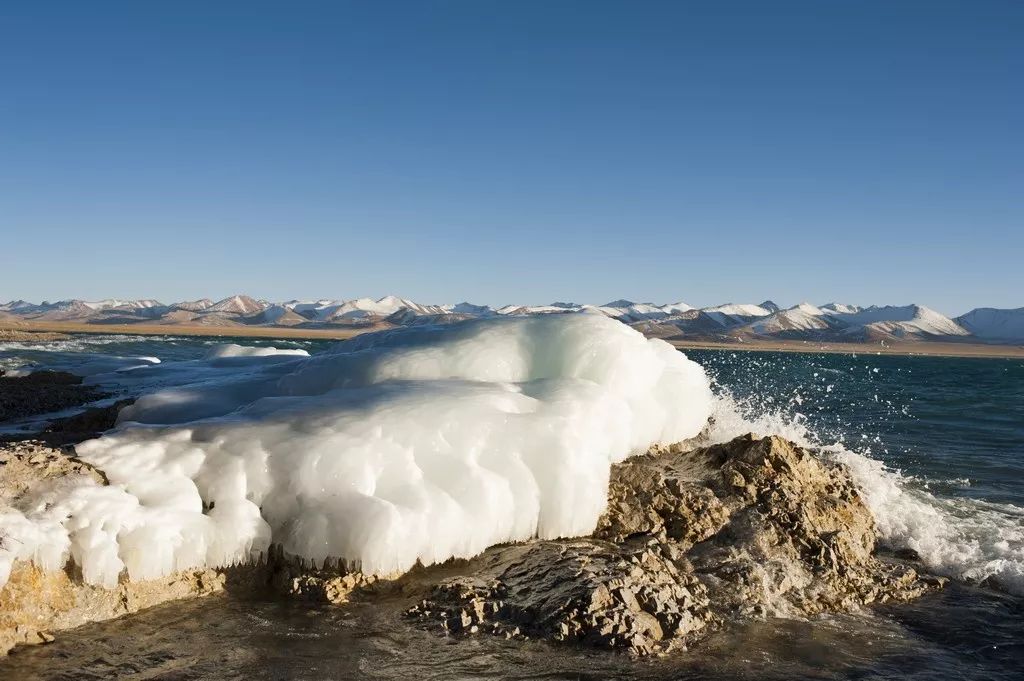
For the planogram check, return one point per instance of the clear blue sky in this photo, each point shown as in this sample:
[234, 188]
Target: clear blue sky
[515, 151]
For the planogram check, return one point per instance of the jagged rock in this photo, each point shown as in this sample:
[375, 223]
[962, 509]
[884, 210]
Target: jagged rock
[332, 582]
[26, 465]
[799, 539]
[690, 542]
[582, 590]
[41, 392]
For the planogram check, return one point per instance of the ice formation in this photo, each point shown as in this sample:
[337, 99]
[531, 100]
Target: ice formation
[391, 448]
[235, 350]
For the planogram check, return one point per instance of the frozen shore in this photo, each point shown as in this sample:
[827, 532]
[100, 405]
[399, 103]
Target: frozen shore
[544, 477]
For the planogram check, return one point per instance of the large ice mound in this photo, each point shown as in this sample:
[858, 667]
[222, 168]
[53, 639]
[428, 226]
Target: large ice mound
[418, 444]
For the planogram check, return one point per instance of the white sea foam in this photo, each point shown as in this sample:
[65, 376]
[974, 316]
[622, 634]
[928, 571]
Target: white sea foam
[421, 444]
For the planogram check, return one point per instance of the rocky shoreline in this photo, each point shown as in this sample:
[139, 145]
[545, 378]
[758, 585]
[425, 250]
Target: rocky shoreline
[19, 336]
[694, 540]
[42, 392]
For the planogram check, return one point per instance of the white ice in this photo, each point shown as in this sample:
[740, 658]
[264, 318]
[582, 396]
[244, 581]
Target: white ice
[391, 448]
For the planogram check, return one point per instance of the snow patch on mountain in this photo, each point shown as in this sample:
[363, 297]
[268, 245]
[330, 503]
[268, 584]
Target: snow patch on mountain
[802, 317]
[733, 314]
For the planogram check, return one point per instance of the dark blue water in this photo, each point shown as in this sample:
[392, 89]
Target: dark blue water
[949, 431]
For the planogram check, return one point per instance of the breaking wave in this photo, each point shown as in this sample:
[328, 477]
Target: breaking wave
[966, 539]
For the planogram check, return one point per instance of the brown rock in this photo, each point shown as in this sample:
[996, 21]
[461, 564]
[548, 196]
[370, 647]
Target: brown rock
[42, 392]
[691, 541]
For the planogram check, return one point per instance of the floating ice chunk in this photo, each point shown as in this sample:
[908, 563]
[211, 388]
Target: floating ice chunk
[235, 350]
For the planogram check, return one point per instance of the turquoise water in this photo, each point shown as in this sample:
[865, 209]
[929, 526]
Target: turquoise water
[937, 445]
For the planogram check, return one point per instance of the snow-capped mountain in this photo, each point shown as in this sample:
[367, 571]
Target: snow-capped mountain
[732, 321]
[238, 304]
[112, 303]
[906, 321]
[362, 308]
[359, 308]
[470, 309]
[628, 311]
[732, 314]
[193, 305]
[802, 317]
[993, 324]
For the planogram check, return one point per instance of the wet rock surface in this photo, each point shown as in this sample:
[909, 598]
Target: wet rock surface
[88, 424]
[691, 542]
[42, 392]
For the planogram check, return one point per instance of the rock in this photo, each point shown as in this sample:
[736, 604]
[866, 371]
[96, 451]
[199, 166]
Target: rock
[34, 603]
[27, 465]
[327, 585]
[582, 590]
[691, 541]
[42, 392]
[86, 425]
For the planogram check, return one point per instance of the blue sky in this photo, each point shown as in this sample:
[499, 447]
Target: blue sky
[515, 151]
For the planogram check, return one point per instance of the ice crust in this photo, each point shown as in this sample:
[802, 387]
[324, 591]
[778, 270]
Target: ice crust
[414, 445]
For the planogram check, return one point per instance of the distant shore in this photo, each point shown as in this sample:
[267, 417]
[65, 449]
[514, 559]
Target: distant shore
[26, 327]
[27, 330]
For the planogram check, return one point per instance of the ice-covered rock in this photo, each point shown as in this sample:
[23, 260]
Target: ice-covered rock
[411, 445]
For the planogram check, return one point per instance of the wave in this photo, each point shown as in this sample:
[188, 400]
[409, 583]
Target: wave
[966, 539]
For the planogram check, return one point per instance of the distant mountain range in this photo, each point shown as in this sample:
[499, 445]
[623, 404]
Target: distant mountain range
[833, 322]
